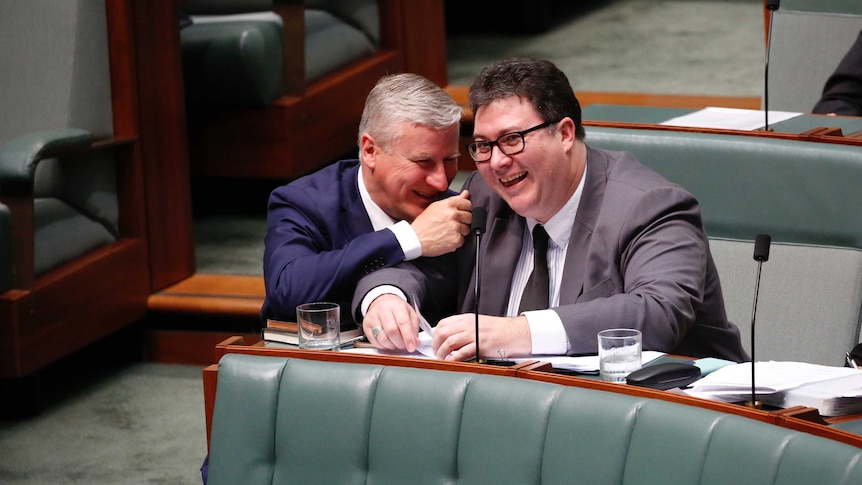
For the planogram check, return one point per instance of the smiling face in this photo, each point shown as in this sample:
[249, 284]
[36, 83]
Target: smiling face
[414, 172]
[538, 181]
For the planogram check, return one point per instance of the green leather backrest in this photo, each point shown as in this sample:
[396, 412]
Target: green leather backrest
[297, 421]
[798, 192]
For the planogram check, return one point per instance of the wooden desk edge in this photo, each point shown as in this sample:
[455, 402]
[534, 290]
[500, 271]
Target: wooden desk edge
[799, 418]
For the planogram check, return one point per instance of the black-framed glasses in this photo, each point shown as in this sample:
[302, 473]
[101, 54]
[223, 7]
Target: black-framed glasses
[508, 143]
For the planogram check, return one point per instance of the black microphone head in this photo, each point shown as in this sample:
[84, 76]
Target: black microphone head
[761, 247]
[772, 4]
[479, 216]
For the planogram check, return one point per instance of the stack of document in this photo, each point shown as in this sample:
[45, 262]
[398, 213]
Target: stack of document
[832, 390]
[729, 118]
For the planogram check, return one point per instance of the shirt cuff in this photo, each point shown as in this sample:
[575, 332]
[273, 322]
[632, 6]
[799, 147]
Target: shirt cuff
[377, 291]
[408, 240]
[547, 333]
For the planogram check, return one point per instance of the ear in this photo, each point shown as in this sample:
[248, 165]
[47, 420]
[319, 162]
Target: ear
[566, 128]
[369, 151]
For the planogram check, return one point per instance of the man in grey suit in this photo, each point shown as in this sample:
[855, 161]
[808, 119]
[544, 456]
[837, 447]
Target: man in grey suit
[626, 247]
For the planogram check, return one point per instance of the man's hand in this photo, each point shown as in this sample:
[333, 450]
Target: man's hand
[391, 323]
[455, 337]
[442, 226]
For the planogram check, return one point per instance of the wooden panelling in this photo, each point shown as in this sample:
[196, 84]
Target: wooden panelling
[163, 141]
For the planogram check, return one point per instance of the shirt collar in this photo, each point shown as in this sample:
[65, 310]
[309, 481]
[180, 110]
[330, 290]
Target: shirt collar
[559, 226]
[379, 218]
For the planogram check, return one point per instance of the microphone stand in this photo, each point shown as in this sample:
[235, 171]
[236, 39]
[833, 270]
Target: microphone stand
[476, 293]
[761, 254]
[478, 227]
[772, 6]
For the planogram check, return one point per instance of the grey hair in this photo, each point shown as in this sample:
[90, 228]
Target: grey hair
[397, 98]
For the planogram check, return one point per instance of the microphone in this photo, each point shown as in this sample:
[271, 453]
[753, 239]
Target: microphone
[477, 227]
[761, 254]
[772, 6]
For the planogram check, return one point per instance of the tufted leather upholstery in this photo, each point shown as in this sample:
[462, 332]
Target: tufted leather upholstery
[282, 420]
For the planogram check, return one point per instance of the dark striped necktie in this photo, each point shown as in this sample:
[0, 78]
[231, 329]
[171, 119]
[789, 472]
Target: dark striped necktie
[536, 292]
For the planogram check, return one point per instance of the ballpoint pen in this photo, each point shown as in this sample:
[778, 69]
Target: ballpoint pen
[850, 361]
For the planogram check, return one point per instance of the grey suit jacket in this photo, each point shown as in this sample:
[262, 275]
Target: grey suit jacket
[638, 258]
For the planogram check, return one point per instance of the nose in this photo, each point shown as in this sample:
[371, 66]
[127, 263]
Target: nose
[438, 178]
[498, 158]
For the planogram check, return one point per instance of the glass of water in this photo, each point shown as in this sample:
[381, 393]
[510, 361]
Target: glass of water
[619, 353]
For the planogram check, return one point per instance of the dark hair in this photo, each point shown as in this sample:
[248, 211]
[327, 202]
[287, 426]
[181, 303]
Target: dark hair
[540, 82]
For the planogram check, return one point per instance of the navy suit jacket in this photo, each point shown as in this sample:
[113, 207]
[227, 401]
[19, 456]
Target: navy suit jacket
[637, 258]
[320, 242]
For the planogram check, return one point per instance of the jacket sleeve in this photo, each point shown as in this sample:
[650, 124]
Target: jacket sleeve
[309, 257]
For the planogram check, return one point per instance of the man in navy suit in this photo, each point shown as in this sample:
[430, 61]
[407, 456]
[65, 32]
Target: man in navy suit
[328, 229]
[625, 247]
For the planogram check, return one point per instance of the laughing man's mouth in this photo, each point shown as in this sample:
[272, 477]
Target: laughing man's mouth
[512, 179]
[430, 197]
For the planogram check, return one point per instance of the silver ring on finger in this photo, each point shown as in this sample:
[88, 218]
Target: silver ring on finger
[375, 331]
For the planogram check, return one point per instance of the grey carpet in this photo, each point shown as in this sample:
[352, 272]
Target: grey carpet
[647, 46]
[136, 423]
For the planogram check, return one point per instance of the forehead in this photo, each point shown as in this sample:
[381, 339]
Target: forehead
[420, 139]
[504, 115]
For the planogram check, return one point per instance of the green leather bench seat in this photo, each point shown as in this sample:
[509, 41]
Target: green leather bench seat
[232, 53]
[800, 192]
[807, 196]
[282, 420]
[233, 63]
[75, 206]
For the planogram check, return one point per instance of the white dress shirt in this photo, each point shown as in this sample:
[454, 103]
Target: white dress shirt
[405, 234]
[546, 329]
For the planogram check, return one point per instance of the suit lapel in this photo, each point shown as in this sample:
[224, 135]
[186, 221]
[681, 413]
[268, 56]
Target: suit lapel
[355, 221]
[572, 284]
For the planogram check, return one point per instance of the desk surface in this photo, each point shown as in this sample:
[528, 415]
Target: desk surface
[651, 115]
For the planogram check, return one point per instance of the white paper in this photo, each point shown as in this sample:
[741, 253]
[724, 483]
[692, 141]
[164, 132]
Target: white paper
[733, 383]
[832, 397]
[585, 364]
[729, 118]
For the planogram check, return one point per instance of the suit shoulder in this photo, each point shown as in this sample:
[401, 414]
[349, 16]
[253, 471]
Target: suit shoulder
[318, 188]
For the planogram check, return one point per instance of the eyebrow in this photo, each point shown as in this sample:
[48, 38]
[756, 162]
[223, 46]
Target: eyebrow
[487, 138]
